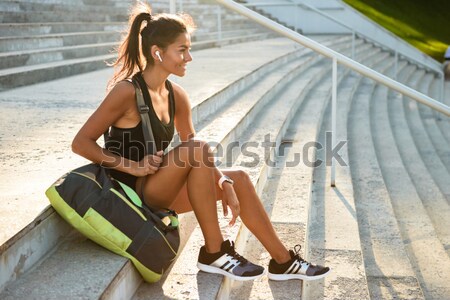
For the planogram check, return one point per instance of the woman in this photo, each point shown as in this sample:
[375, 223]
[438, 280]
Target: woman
[184, 179]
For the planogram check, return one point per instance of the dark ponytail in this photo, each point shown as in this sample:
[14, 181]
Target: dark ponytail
[160, 30]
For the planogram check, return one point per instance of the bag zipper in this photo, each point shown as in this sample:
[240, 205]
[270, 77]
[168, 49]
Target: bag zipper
[129, 203]
[88, 177]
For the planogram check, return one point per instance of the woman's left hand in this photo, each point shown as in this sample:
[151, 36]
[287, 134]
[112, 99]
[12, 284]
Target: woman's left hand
[229, 199]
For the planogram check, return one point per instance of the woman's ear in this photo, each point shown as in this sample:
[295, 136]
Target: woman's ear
[156, 53]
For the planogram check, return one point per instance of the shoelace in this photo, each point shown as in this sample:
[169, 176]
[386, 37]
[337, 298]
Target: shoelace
[297, 249]
[236, 255]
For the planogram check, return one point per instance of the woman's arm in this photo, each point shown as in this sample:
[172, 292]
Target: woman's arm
[119, 100]
[183, 114]
[185, 128]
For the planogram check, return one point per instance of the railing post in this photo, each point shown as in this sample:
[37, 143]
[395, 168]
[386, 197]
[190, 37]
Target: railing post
[173, 6]
[333, 119]
[219, 25]
[396, 64]
[353, 44]
[295, 17]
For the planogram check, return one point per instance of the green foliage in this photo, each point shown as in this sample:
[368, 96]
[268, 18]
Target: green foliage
[423, 23]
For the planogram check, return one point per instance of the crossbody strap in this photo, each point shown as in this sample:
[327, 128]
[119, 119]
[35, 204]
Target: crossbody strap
[143, 108]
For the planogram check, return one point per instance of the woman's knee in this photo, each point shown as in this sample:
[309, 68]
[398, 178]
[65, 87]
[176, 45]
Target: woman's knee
[240, 176]
[198, 153]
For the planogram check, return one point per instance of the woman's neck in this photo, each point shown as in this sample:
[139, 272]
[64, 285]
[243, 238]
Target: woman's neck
[155, 78]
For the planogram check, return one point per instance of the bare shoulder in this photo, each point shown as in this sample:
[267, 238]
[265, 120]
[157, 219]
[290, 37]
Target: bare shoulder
[181, 96]
[114, 110]
[123, 92]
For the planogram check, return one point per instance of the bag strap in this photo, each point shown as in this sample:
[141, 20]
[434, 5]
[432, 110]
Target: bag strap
[143, 108]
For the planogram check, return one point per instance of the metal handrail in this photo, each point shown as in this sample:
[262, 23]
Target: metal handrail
[354, 31]
[336, 58]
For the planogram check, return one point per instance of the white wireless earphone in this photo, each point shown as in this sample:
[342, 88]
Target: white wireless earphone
[158, 55]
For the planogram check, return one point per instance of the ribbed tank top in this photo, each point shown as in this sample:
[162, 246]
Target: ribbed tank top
[130, 143]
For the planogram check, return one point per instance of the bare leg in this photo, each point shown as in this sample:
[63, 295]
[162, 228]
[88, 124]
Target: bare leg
[255, 217]
[253, 214]
[188, 165]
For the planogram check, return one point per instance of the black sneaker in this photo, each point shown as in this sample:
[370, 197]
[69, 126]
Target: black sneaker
[296, 268]
[228, 263]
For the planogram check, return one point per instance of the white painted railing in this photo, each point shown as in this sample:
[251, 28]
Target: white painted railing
[337, 58]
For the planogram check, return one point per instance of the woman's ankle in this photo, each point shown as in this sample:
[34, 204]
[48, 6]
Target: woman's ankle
[282, 258]
[213, 247]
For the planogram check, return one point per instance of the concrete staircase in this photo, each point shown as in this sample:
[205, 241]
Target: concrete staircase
[46, 40]
[383, 229]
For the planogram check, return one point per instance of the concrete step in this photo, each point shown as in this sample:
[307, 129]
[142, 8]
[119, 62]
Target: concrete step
[235, 25]
[332, 235]
[76, 256]
[388, 269]
[30, 29]
[27, 75]
[42, 56]
[56, 40]
[225, 34]
[24, 7]
[20, 76]
[430, 120]
[60, 16]
[26, 249]
[39, 56]
[431, 145]
[424, 225]
[443, 122]
[78, 2]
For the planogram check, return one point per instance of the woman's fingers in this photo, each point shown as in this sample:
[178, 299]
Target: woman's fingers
[152, 169]
[155, 160]
[235, 211]
[225, 207]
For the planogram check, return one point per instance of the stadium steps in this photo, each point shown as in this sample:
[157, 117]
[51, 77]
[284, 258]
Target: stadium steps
[387, 266]
[383, 229]
[332, 235]
[46, 40]
[433, 189]
[421, 226]
[284, 198]
[432, 122]
[442, 122]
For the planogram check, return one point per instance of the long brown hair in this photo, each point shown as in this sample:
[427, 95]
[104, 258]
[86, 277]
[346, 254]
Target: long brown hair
[160, 30]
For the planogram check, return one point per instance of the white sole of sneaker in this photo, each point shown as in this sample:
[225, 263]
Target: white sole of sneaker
[215, 270]
[281, 277]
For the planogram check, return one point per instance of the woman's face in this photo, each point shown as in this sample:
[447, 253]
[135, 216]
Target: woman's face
[177, 55]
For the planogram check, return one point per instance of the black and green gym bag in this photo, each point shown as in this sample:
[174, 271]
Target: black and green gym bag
[111, 214]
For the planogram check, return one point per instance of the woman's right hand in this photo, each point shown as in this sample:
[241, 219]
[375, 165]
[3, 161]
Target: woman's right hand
[148, 165]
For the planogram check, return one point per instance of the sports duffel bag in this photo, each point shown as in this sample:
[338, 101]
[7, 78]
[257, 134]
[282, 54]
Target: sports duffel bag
[112, 215]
